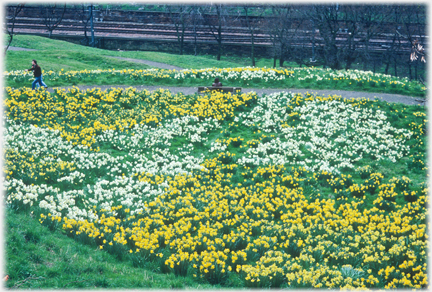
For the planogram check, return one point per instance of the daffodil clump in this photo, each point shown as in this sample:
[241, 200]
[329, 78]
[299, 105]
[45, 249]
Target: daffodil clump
[352, 77]
[277, 190]
[309, 77]
[82, 116]
[133, 76]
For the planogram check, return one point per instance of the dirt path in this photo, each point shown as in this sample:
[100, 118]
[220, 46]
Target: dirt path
[409, 100]
[20, 49]
[149, 63]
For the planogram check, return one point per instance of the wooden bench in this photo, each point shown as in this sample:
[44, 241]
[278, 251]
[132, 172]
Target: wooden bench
[201, 89]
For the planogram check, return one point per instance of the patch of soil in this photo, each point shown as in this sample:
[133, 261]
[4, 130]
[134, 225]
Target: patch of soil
[20, 49]
[149, 63]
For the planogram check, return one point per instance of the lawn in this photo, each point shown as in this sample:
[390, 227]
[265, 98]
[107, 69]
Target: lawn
[219, 190]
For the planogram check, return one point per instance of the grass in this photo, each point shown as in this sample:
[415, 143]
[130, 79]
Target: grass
[56, 55]
[42, 257]
[182, 61]
[39, 258]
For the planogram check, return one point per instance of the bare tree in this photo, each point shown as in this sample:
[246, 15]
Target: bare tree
[391, 54]
[371, 23]
[12, 14]
[295, 48]
[349, 31]
[215, 19]
[358, 23]
[282, 29]
[413, 19]
[196, 19]
[85, 19]
[179, 17]
[186, 18]
[52, 16]
[253, 25]
[327, 20]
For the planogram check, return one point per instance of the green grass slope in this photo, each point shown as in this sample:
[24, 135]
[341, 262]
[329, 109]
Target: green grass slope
[56, 55]
[38, 258]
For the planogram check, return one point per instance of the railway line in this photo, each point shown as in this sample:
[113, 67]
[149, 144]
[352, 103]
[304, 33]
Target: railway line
[203, 34]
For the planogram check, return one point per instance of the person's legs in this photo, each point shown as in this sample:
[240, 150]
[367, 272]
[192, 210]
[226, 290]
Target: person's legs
[42, 83]
[38, 81]
[35, 82]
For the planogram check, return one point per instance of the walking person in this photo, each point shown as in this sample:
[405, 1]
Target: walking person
[37, 72]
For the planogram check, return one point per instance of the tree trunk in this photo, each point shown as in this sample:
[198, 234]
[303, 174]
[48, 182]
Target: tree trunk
[219, 43]
[395, 67]
[387, 67]
[350, 60]
[195, 45]
[281, 55]
[374, 66]
[365, 63]
[10, 32]
[182, 41]
[410, 71]
[281, 61]
[195, 40]
[219, 50]
[253, 50]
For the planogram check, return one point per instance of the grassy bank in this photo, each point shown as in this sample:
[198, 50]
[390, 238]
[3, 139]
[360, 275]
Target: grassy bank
[231, 190]
[39, 258]
[54, 55]
[137, 189]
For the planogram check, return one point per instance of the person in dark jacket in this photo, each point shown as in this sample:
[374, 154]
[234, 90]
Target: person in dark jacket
[37, 73]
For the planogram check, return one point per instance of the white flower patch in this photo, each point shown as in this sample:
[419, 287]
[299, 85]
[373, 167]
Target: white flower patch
[218, 147]
[317, 74]
[145, 137]
[332, 134]
[268, 113]
[231, 74]
[111, 175]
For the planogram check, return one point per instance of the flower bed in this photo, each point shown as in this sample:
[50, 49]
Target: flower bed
[278, 190]
[309, 77]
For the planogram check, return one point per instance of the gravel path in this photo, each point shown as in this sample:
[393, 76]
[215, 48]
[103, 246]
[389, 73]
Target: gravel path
[409, 100]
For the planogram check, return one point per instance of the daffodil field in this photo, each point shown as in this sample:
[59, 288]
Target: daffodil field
[281, 190]
[243, 76]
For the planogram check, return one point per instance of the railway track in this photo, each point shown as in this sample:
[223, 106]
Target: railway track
[230, 35]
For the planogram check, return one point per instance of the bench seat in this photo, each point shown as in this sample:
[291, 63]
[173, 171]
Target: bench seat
[221, 89]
